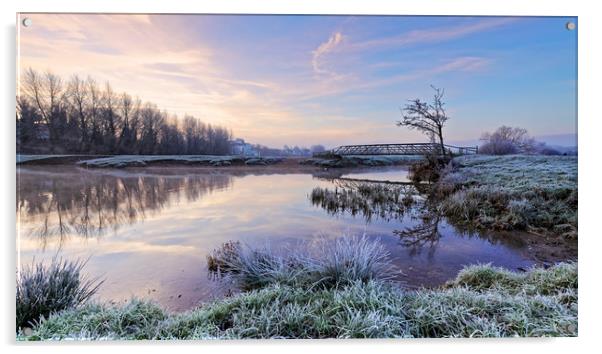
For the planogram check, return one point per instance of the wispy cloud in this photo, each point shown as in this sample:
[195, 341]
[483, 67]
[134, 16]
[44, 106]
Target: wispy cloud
[335, 40]
[426, 36]
[339, 47]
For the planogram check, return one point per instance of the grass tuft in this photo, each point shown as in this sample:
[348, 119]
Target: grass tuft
[324, 263]
[46, 289]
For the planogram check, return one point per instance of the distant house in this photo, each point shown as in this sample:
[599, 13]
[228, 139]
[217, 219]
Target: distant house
[240, 147]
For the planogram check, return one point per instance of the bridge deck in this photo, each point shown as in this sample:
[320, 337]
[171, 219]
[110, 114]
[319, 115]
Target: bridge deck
[399, 149]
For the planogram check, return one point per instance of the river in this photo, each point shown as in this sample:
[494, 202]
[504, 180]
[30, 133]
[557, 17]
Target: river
[147, 232]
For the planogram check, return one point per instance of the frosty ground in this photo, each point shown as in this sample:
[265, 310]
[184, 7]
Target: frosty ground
[347, 295]
[516, 192]
[345, 291]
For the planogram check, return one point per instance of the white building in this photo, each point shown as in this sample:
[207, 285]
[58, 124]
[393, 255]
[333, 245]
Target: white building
[240, 147]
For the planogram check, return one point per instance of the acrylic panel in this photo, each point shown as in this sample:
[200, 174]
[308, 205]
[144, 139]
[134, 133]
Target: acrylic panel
[197, 176]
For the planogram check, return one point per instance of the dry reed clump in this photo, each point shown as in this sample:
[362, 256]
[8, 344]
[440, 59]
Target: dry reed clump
[218, 261]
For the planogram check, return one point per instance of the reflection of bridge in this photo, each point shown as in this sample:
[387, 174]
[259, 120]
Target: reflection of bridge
[398, 149]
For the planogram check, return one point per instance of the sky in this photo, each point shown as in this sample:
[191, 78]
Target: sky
[331, 80]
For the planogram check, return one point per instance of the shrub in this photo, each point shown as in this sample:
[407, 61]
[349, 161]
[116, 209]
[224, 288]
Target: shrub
[429, 169]
[507, 140]
[46, 289]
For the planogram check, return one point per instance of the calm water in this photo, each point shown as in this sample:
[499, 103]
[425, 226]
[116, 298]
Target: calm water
[148, 232]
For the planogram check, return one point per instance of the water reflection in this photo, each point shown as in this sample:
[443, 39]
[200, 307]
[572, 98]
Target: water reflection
[421, 223]
[159, 224]
[366, 198]
[426, 234]
[93, 203]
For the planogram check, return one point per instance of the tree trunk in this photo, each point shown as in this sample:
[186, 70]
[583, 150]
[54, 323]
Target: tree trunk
[441, 141]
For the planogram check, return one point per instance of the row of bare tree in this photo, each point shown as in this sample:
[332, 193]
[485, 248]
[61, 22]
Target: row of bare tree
[79, 116]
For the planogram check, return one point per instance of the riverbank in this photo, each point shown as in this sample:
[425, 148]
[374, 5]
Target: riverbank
[212, 161]
[482, 301]
[533, 193]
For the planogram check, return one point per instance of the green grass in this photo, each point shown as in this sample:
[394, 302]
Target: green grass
[483, 301]
[533, 193]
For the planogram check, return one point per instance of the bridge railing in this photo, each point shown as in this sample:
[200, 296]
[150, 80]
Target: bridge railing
[397, 149]
[462, 150]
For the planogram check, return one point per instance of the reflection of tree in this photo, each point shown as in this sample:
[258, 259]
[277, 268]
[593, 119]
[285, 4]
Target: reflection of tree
[424, 234]
[87, 204]
[391, 201]
[384, 200]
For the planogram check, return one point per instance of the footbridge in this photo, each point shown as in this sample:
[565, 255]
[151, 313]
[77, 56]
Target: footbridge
[399, 149]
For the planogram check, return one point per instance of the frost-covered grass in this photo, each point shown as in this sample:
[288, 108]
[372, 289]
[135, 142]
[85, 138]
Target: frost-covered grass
[45, 289]
[321, 264]
[517, 173]
[483, 301]
[144, 160]
[535, 193]
[26, 158]
[363, 160]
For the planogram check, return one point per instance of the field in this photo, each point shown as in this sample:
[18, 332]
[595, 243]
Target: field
[516, 192]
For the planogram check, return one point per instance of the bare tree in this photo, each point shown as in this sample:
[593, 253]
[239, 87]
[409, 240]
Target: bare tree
[32, 84]
[27, 120]
[48, 96]
[111, 119]
[508, 140]
[128, 111]
[82, 117]
[428, 118]
[94, 109]
[78, 94]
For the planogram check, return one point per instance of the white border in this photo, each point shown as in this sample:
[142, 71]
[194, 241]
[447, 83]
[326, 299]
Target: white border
[589, 160]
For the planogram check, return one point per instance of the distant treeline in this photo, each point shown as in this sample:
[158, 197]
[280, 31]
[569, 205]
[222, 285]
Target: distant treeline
[79, 116]
[288, 150]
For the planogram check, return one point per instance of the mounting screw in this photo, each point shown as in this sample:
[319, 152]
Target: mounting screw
[26, 22]
[570, 26]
